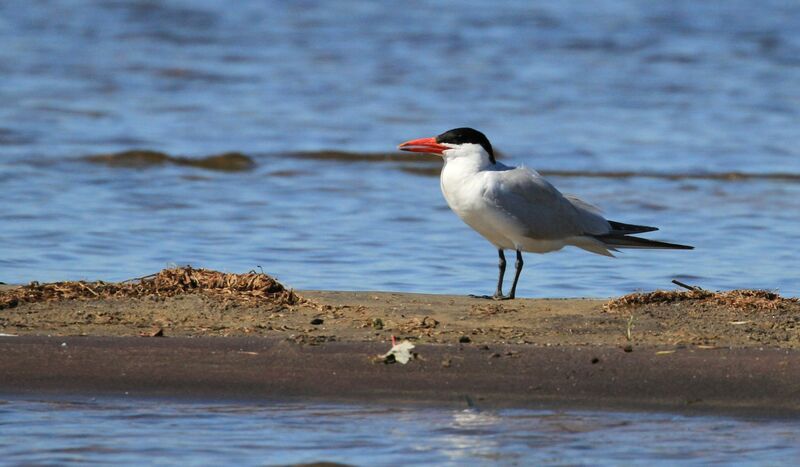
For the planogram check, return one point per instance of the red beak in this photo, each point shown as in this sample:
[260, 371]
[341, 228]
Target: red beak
[428, 145]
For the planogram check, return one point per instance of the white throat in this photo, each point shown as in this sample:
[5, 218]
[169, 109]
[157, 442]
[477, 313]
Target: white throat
[468, 157]
[463, 174]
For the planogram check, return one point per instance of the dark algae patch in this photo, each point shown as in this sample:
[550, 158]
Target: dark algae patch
[139, 158]
[345, 156]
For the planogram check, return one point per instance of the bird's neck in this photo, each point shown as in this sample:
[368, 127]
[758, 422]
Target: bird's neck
[459, 178]
[465, 166]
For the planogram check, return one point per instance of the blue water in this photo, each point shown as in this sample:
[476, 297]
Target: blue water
[153, 432]
[679, 87]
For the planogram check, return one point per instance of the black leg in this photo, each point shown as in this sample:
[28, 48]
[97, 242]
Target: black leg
[518, 269]
[498, 294]
[502, 266]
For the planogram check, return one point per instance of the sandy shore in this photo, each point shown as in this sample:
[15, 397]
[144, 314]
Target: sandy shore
[691, 351]
[376, 316]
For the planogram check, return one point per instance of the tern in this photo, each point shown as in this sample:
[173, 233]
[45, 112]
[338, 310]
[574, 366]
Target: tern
[515, 208]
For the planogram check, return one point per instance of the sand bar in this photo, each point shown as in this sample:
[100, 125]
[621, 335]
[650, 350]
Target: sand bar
[191, 333]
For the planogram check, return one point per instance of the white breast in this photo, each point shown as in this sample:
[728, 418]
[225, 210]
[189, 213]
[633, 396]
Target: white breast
[463, 186]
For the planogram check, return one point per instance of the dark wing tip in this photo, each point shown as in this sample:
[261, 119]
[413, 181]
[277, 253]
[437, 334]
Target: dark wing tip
[624, 229]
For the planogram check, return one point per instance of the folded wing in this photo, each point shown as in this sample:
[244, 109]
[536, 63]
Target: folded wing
[542, 211]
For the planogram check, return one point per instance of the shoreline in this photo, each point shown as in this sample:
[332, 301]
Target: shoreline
[757, 382]
[193, 333]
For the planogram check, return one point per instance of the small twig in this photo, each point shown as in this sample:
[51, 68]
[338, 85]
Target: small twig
[628, 328]
[89, 289]
[139, 278]
[687, 286]
[253, 271]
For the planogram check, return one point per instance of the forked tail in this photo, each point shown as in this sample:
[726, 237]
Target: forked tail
[626, 241]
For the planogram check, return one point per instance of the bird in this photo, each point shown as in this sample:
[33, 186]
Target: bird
[515, 208]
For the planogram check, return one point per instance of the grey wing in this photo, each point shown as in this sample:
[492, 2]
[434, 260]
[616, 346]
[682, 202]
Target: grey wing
[540, 209]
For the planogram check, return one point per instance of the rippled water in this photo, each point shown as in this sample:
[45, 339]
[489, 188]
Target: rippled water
[679, 87]
[136, 432]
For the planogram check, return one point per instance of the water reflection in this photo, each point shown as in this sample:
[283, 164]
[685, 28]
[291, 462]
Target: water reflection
[132, 432]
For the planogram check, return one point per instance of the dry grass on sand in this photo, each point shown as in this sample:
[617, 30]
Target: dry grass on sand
[702, 317]
[746, 299]
[167, 283]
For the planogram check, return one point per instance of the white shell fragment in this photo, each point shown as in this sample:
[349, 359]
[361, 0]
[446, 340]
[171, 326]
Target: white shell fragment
[400, 353]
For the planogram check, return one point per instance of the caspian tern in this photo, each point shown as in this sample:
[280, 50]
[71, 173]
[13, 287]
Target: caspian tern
[515, 208]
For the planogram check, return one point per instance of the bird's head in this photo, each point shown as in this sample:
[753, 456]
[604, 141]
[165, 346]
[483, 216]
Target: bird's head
[458, 142]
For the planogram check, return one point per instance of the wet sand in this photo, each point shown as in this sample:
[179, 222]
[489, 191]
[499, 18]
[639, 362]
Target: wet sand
[735, 381]
[672, 350]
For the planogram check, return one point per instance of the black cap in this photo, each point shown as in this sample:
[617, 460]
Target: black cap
[467, 135]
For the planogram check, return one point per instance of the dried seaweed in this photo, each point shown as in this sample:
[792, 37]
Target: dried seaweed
[247, 287]
[756, 300]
